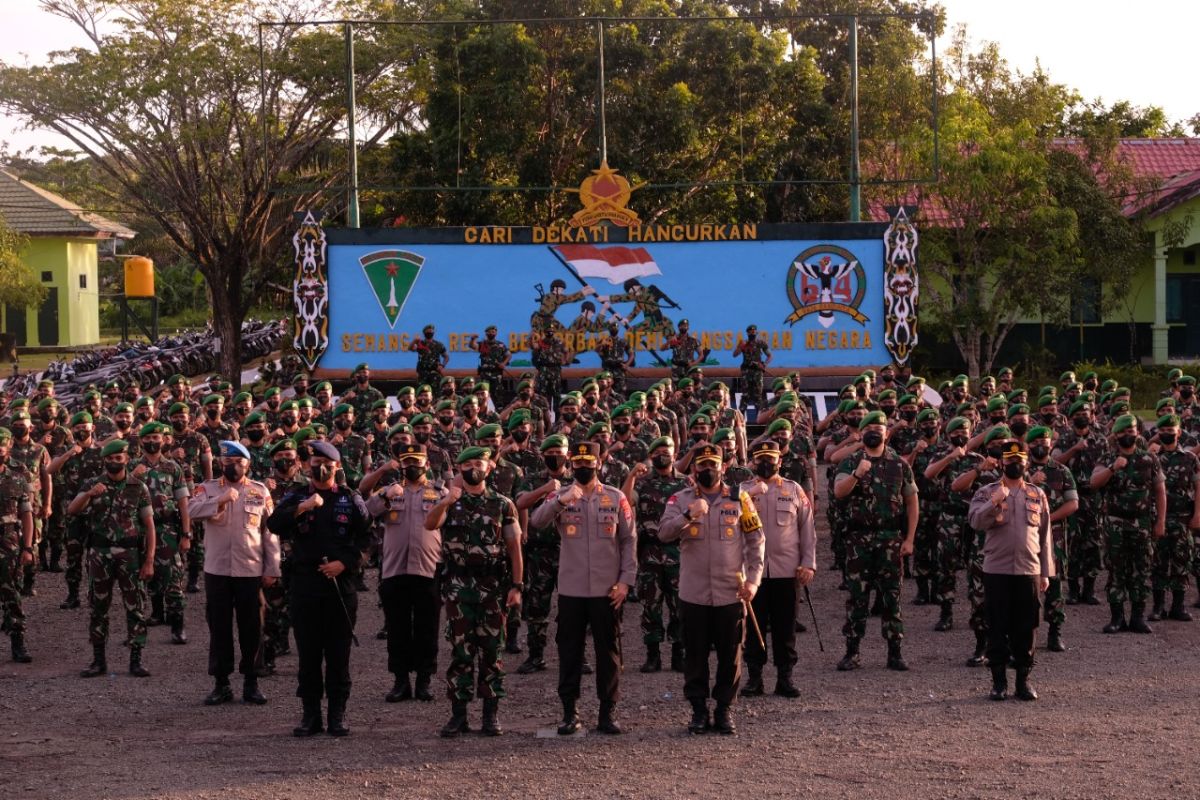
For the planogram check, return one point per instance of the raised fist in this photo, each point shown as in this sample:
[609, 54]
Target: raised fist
[697, 508]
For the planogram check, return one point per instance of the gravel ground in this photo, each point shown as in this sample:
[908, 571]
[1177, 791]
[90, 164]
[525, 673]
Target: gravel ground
[1118, 716]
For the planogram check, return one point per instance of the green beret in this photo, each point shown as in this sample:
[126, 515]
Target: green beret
[1077, 406]
[21, 415]
[91, 395]
[699, 419]
[685, 383]
[779, 384]
[1174, 374]
[1166, 401]
[46, 402]
[956, 423]
[483, 386]
[524, 385]
[863, 378]
[151, 428]
[213, 398]
[662, 441]
[283, 445]
[223, 385]
[319, 429]
[516, 419]
[122, 408]
[243, 397]
[987, 379]
[915, 381]
[963, 408]
[598, 427]
[569, 399]
[1005, 371]
[1088, 397]
[943, 386]
[887, 394]
[779, 425]
[1124, 422]
[472, 453]
[998, 432]
[1167, 421]
[1019, 408]
[81, 418]
[487, 431]
[1119, 407]
[717, 386]
[874, 418]
[1047, 400]
[1078, 387]
[1038, 432]
[421, 419]
[406, 390]
[323, 386]
[114, 447]
[399, 427]
[1122, 391]
[1109, 385]
[869, 373]
[144, 401]
[785, 407]
[343, 408]
[303, 435]
[5, 435]
[959, 382]
[176, 379]
[708, 409]
[382, 403]
[721, 434]
[590, 383]
[1015, 393]
[1187, 380]
[254, 417]
[621, 411]
[554, 440]
[305, 402]
[274, 390]
[446, 379]
[997, 404]
[288, 405]
[362, 366]
[638, 398]
[929, 413]
[444, 405]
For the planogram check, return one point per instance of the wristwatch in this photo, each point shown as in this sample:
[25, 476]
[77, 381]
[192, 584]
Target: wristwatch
[27, 550]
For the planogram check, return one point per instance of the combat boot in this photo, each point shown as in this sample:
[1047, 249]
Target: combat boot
[1073, 591]
[570, 719]
[1157, 612]
[99, 665]
[337, 718]
[533, 662]
[653, 659]
[310, 720]
[1024, 690]
[30, 578]
[895, 661]
[1178, 613]
[700, 722]
[979, 657]
[511, 644]
[1117, 623]
[784, 686]
[1054, 642]
[401, 689]
[55, 565]
[754, 684]
[19, 653]
[491, 717]
[422, 692]
[179, 636]
[946, 620]
[136, 669]
[1137, 619]
[43, 563]
[606, 722]
[458, 720]
[156, 611]
[877, 606]
[221, 693]
[193, 581]
[677, 657]
[1088, 595]
[72, 600]
[850, 660]
[253, 695]
[922, 598]
[999, 683]
[723, 720]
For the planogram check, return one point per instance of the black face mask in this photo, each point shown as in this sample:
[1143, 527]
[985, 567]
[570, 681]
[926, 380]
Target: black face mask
[553, 463]
[872, 439]
[1168, 438]
[526, 396]
[584, 475]
[520, 435]
[114, 468]
[421, 436]
[473, 477]
[151, 447]
[20, 431]
[406, 402]
[1049, 417]
[853, 422]
[707, 478]
[288, 419]
[995, 452]
[178, 425]
[144, 416]
[661, 462]
[82, 436]
[997, 419]
[413, 472]
[621, 428]
[46, 416]
[395, 447]
[591, 401]
[1080, 423]
[1186, 392]
[1039, 452]
[282, 465]
[569, 416]
[212, 413]
[446, 420]
[234, 472]
[342, 424]
[1019, 428]
[928, 430]
[765, 469]
[908, 416]
[124, 424]
[1090, 386]
[273, 403]
[363, 380]
[958, 441]
[469, 412]
[1014, 469]
[322, 472]
[888, 410]
[985, 391]
[302, 453]
[255, 434]
[1127, 440]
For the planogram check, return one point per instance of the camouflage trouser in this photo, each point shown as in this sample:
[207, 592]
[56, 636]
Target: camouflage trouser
[117, 565]
[195, 555]
[873, 564]
[169, 575]
[26, 573]
[752, 387]
[475, 630]
[1085, 555]
[77, 532]
[496, 387]
[925, 549]
[1129, 556]
[837, 535]
[548, 382]
[947, 557]
[658, 585]
[10, 578]
[1173, 555]
[541, 577]
[1054, 607]
[679, 371]
[973, 558]
[276, 622]
[56, 526]
[431, 377]
[618, 379]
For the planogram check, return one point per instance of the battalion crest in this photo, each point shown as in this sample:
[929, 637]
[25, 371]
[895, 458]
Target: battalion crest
[392, 274]
[825, 280]
[604, 195]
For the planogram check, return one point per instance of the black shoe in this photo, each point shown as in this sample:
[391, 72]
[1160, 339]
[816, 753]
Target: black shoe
[55, 565]
[1024, 690]
[784, 686]
[178, 634]
[570, 724]
[221, 693]
[422, 692]
[850, 660]
[922, 598]
[458, 721]
[99, 665]
[401, 690]
[606, 723]
[895, 661]
[72, 600]
[946, 620]
[1088, 595]
[19, 653]
[1117, 623]
[754, 683]
[513, 647]
[1158, 611]
[310, 721]
[877, 606]
[337, 718]
[156, 612]
[491, 718]
[587, 668]
[1137, 619]
[723, 721]
[1054, 642]
[653, 659]
[382, 635]
[1073, 591]
[532, 663]
[801, 627]
[999, 684]
[251, 693]
[979, 657]
[700, 722]
[676, 657]
[1178, 613]
[136, 669]
[360, 585]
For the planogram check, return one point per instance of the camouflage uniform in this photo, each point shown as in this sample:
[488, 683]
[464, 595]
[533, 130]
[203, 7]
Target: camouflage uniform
[276, 622]
[925, 547]
[541, 572]
[754, 353]
[167, 486]
[973, 541]
[429, 360]
[614, 353]
[195, 446]
[15, 500]
[79, 469]
[116, 538]
[260, 461]
[658, 562]
[1174, 553]
[1129, 497]
[548, 357]
[685, 348]
[356, 459]
[1085, 559]
[362, 401]
[836, 511]
[1059, 486]
[51, 533]
[491, 355]
[955, 539]
[473, 592]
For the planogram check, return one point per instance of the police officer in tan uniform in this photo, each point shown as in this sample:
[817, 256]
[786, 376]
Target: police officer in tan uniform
[597, 566]
[790, 560]
[240, 557]
[721, 548]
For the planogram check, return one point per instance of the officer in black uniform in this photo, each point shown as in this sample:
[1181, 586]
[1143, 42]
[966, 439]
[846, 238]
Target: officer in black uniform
[329, 530]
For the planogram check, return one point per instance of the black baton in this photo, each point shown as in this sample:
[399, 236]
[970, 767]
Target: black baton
[338, 589]
[813, 612]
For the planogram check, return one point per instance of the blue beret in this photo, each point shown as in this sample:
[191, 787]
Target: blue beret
[322, 448]
[234, 450]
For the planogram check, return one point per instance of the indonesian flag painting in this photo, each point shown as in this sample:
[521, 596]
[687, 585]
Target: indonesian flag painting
[615, 264]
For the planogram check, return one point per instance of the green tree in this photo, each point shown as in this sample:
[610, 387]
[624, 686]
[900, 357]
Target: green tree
[18, 285]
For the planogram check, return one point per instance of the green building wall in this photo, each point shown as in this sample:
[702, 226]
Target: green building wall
[65, 261]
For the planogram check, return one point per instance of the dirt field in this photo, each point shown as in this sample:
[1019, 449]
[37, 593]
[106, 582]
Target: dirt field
[1118, 717]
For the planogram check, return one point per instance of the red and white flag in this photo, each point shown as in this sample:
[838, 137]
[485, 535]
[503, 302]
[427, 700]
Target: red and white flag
[615, 264]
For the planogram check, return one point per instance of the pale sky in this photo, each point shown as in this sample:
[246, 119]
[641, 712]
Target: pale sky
[1139, 51]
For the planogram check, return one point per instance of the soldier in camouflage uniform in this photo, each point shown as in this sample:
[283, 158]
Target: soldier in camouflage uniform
[1059, 485]
[16, 543]
[756, 357]
[121, 552]
[72, 469]
[685, 350]
[615, 357]
[104, 426]
[285, 478]
[493, 358]
[1134, 489]
[549, 356]
[33, 454]
[926, 450]
[193, 451]
[431, 356]
[447, 434]
[169, 492]
[882, 508]
[362, 397]
[1173, 554]
[504, 478]
[51, 432]
[1080, 449]
[254, 439]
[478, 526]
[852, 412]
[356, 453]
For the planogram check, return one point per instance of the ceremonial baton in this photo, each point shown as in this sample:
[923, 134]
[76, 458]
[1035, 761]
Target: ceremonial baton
[813, 612]
[342, 600]
[750, 613]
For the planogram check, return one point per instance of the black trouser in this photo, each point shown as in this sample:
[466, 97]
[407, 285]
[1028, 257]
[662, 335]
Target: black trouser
[775, 608]
[1011, 604]
[575, 616]
[411, 606]
[225, 598]
[323, 637]
[706, 628]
